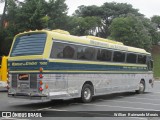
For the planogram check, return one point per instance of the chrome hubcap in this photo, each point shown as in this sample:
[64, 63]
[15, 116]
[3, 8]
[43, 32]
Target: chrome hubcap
[141, 87]
[87, 94]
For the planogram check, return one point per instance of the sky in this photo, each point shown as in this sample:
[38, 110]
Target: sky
[146, 7]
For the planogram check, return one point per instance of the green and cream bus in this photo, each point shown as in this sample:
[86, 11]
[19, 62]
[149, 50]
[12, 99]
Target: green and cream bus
[53, 64]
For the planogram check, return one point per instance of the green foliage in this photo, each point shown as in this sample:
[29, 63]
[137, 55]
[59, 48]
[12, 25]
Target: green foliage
[131, 31]
[6, 36]
[107, 12]
[57, 12]
[156, 19]
[30, 15]
[84, 26]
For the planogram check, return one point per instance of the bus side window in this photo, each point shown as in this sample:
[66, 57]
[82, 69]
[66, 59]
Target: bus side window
[141, 59]
[149, 63]
[62, 50]
[118, 56]
[57, 50]
[68, 52]
[131, 58]
[85, 53]
[104, 55]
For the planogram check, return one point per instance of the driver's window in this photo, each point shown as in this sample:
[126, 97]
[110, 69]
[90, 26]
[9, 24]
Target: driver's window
[149, 63]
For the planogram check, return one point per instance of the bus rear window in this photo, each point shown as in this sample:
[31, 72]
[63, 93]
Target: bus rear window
[29, 44]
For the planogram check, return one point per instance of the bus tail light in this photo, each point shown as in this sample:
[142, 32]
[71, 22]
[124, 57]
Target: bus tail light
[46, 86]
[41, 69]
[40, 76]
[40, 82]
[41, 89]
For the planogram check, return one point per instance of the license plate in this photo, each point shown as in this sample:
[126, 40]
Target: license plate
[24, 86]
[23, 76]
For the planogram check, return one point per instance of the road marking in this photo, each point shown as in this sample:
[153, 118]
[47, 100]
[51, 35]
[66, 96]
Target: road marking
[130, 102]
[138, 118]
[6, 118]
[47, 108]
[57, 110]
[118, 107]
[19, 102]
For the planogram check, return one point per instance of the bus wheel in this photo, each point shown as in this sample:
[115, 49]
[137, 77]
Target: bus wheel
[86, 93]
[141, 87]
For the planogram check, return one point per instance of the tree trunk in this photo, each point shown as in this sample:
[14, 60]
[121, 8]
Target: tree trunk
[4, 14]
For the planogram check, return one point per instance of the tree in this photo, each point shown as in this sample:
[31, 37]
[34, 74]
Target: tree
[4, 12]
[156, 19]
[29, 15]
[107, 12]
[131, 31]
[57, 13]
[84, 26]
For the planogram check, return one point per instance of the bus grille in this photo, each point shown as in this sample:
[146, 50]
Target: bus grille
[33, 81]
[14, 80]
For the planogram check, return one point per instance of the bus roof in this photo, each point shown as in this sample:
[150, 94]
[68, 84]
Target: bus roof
[96, 41]
[89, 40]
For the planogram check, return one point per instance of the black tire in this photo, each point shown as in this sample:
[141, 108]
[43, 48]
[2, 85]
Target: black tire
[141, 87]
[86, 93]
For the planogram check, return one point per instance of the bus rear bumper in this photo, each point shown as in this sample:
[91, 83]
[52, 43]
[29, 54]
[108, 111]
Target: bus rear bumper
[28, 96]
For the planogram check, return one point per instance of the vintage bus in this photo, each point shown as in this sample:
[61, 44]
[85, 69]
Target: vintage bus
[48, 65]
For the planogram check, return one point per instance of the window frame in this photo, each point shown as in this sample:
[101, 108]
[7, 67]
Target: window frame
[76, 45]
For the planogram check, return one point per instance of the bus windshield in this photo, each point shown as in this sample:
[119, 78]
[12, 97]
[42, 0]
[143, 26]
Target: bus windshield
[29, 44]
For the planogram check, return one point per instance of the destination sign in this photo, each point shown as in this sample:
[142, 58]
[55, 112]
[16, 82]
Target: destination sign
[107, 45]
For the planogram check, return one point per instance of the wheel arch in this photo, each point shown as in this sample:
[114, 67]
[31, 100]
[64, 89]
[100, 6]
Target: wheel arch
[143, 80]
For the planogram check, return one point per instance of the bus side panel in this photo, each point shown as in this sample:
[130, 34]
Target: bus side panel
[57, 86]
[147, 77]
[64, 86]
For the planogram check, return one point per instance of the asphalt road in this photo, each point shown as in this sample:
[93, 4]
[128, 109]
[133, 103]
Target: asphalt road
[128, 101]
